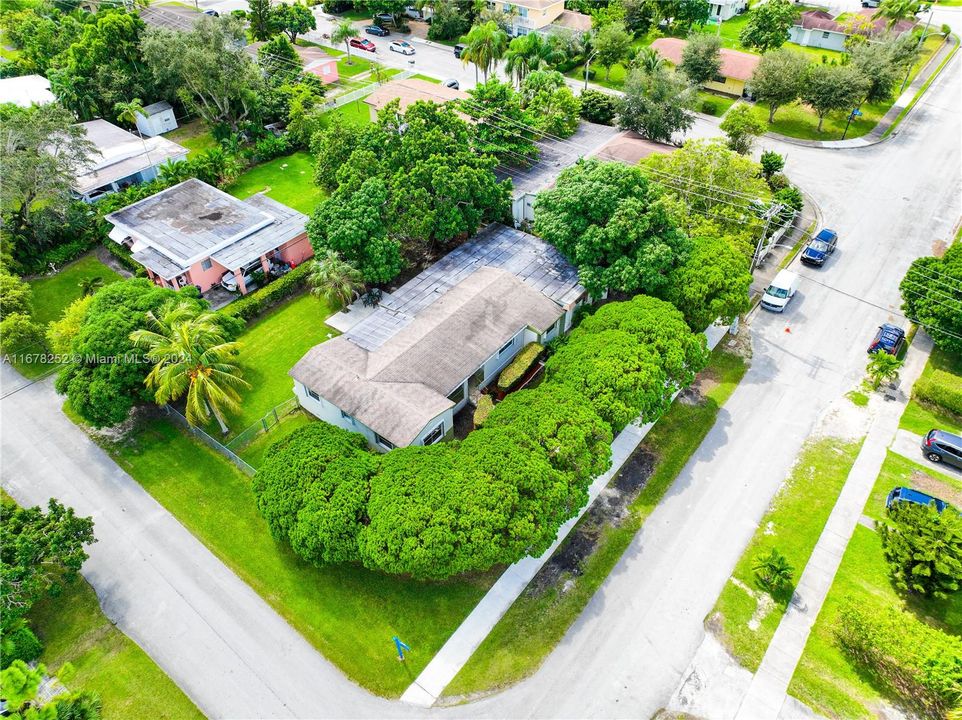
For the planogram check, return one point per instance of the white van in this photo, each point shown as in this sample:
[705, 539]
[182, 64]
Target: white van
[780, 292]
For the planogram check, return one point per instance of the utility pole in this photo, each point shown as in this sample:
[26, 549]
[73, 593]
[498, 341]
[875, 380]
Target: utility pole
[588, 65]
[769, 215]
[921, 40]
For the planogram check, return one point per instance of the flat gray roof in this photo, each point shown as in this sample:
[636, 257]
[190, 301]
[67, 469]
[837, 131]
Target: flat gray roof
[157, 107]
[529, 258]
[288, 224]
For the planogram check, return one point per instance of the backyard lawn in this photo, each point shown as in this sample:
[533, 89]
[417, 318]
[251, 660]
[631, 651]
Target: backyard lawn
[355, 112]
[288, 179]
[744, 612]
[253, 452]
[194, 136]
[73, 629]
[53, 293]
[919, 418]
[270, 347]
[348, 613]
[825, 679]
[539, 619]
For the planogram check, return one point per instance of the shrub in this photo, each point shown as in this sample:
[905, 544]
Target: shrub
[598, 107]
[923, 548]
[62, 254]
[516, 369]
[270, 147]
[941, 389]
[773, 572]
[252, 305]
[777, 181]
[483, 409]
[123, 256]
[15, 295]
[21, 644]
[918, 662]
[20, 334]
[60, 333]
[771, 163]
[709, 107]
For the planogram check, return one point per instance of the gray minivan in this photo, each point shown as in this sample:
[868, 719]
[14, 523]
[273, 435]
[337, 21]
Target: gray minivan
[940, 446]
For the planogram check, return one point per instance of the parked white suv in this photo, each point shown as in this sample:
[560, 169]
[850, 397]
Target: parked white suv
[401, 46]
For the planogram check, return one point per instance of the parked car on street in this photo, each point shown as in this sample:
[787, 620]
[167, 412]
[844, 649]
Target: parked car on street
[363, 44]
[940, 446]
[888, 339]
[904, 494]
[401, 46]
[451, 83]
[384, 18]
[458, 49]
[377, 30]
[780, 292]
[818, 249]
[413, 13]
[212, 13]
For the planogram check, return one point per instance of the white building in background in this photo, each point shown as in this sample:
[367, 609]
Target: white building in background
[156, 119]
[721, 10]
[26, 90]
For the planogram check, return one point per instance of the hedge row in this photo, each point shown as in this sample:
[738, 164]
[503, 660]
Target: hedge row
[483, 409]
[516, 369]
[503, 492]
[252, 305]
[123, 256]
[941, 389]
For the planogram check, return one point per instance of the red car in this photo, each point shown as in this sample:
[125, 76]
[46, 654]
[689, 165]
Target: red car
[362, 44]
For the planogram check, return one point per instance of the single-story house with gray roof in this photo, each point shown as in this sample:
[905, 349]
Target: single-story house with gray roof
[399, 376]
[194, 234]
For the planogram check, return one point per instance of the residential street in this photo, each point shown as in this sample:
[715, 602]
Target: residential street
[236, 657]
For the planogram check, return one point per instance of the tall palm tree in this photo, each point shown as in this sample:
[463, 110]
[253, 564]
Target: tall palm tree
[530, 52]
[191, 355]
[334, 280]
[485, 45]
[896, 10]
[127, 112]
[648, 60]
[342, 33]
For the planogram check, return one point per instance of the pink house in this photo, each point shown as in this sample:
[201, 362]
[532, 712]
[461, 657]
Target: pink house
[313, 60]
[195, 234]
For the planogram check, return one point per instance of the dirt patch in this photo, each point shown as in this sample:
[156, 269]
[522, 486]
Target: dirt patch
[608, 510]
[936, 488]
[939, 247]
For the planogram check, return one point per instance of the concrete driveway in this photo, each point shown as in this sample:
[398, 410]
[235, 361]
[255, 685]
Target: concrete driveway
[908, 444]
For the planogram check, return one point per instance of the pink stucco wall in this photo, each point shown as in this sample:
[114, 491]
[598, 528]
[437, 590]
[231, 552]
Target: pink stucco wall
[206, 278]
[297, 250]
[326, 70]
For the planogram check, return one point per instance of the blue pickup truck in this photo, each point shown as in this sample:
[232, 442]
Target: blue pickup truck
[904, 494]
[820, 247]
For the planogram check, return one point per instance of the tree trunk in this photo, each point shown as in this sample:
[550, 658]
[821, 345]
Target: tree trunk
[223, 428]
[771, 113]
[821, 117]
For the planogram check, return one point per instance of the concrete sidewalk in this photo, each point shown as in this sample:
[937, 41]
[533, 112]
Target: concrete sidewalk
[767, 692]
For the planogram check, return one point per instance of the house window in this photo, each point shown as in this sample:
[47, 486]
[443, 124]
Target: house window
[506, 347]
[206, 264]
[435, 435]
[458, 395]
[346, 416]
[825, 35]
[383, 442]
[312, 393]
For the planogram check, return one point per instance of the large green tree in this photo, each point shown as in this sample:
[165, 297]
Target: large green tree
[503, 129]
[932, 296]
[485, 45]
[923, 548]
[39, 551]
[612, 46]
[742, 127]
[612, 223]
[629, 358]
[294, 19]
[105, 376]
[550, 104]
[833, 88]
[528, 53]
[260, 16]
[207, 68]
[768, 24]
[883, 64]
[778, 79]
[701, 58]
[657, 104]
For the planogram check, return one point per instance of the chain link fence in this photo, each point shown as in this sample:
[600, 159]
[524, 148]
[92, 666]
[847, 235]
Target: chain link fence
[216, 445]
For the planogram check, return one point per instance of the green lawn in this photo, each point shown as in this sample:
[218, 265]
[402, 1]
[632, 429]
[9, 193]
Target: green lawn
[348, 613]
[536, 622]
[53, 293]
[825, 679]
[357, 64]
[355, 112]
[271, 346]
[73, 629]
[919, 418]
[722, 103]
[7, 50]
[799, 121]
[288, 179]
[426, 78]
[253, 452]
[792, 524]
[194, 136]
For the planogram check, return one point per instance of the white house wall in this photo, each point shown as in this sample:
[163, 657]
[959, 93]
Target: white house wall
[824, 39]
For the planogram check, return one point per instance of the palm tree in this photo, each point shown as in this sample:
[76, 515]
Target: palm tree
[530, 52]
[882, 368]
[773, 571]
[896, 10]
[342, 33]
[648, 60]
[485, 45]
[191, 355]
[90, 285]
[127, 112]
[334, 280]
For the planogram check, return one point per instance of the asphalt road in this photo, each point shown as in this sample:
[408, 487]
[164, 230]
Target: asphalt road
[231, 653]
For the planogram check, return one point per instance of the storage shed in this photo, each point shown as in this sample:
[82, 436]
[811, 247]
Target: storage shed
[156, 119]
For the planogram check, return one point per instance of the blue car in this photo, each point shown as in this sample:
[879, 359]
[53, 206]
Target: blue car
[377, 30]
[820, 247]
[888, 339]
[904, 494]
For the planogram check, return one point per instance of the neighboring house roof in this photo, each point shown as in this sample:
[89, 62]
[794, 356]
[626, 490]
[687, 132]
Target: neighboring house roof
[156, 108]
[631, 148]
[734, 64]
[821, 20]
[119, 154]
[573, 21]
[534, 4]
[313, 59]
[26, 90]
[394, 369]
[410, 90]
[192, 221]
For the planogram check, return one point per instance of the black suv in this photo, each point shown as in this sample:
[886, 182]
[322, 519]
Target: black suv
[940, 446]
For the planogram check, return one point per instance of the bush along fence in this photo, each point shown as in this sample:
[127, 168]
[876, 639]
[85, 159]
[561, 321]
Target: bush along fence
[252, 305]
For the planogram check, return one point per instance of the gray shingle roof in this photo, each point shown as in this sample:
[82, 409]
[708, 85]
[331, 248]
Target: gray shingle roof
[399, 387]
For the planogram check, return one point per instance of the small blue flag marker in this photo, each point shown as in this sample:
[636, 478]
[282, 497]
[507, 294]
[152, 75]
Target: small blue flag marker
[401, 647]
